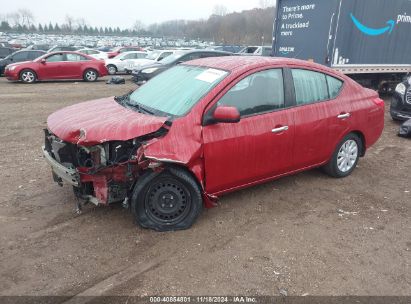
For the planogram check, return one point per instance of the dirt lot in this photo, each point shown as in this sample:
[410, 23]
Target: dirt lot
[286, 234]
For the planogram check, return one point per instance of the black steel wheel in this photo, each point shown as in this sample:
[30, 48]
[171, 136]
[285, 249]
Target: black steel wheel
[167, 201]
[170, 200]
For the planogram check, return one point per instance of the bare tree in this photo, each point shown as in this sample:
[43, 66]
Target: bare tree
[220, 10]
[80, 23]
[267, 3]
[69, 23]
[138, 26]
[26, 17]
[15, 19]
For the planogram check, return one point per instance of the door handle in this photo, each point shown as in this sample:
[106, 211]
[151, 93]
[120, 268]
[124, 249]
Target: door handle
[343, 116]
[280, 129]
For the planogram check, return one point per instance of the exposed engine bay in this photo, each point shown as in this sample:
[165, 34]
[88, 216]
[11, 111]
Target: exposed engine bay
[100, 174]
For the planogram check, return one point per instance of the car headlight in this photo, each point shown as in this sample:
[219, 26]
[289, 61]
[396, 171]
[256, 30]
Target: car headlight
[149, 71]
[12, 68]
[400, 89]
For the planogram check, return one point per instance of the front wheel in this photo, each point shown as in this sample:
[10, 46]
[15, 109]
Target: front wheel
[345, 157]
[167, 201]
[28, 76]
[90, 75]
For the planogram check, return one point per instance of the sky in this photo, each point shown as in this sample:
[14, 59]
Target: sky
[125, 12]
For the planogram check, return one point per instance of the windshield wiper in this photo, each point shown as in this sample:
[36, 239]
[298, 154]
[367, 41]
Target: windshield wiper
[123, 98]
[139, 107]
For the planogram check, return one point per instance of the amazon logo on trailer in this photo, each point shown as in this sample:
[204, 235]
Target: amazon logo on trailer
[390, 24]
[388, 28]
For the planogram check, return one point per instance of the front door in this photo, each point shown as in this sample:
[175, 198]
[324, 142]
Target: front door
[51, 68]
[260, 145]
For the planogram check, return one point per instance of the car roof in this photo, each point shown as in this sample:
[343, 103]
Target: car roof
[41, 51]
[246, 63]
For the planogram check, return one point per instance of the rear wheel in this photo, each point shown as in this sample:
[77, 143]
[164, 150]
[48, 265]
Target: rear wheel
[90, 75]
[28, 76]
[167, 201]
[112, 69]
[345, 157]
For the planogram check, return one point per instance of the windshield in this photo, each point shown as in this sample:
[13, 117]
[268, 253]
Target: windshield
[172, 57]
[175, 91]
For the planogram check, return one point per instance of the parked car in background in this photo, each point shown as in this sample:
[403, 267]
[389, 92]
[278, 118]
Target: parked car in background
[19, 56]
[119, 63]
[152, 57]
[105, 49]
[94, 53]
[256, 51]
[400, 108]
[6, 51]
[226, 48]
[41, 47]
[62, 49]
[238, 122]
[123, 49]
[5, 44]
[149, 71]
[58, 65]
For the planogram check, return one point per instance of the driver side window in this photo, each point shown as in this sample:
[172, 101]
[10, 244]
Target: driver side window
[258, 93]
[55, 58]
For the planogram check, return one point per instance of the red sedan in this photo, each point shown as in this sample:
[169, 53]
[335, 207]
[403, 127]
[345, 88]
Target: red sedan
[59, 65]
[209, 127]
[123, 49]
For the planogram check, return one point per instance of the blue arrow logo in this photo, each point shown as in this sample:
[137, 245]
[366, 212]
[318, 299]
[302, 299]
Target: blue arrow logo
[371, 31]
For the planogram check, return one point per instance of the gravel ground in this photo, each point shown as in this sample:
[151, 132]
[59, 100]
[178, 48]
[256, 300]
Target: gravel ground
[308, 234]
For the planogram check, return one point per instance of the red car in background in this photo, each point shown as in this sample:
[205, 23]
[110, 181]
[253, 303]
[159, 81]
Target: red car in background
[209, 127]
[58, 65]
[123, 49]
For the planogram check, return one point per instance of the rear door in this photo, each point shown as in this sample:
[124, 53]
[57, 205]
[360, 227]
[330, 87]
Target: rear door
[320, 117]
[73, 65]
[260, 145]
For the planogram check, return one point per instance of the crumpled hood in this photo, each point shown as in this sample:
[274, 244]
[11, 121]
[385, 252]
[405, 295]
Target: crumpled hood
[97, 121]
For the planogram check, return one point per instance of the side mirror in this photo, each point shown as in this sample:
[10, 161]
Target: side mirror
[43, 61]
[226, 114]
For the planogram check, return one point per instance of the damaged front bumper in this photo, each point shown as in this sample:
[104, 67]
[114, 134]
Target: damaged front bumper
[60, 172]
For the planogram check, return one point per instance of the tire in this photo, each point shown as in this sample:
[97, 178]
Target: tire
[345, 157]
[166, 201]
[28, 76]
[90, 75]
[112, 69]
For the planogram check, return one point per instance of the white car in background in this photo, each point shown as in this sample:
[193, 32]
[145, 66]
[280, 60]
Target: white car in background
[152, 57]
[121, 61]
[94, 53]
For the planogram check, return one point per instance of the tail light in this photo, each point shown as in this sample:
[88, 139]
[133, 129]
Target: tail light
[379, 102]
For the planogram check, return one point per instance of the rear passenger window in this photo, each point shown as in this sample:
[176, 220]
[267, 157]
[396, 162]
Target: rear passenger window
[34, 55]
[20, 56]
[310, 86]
[258, 93]
[334, 86]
